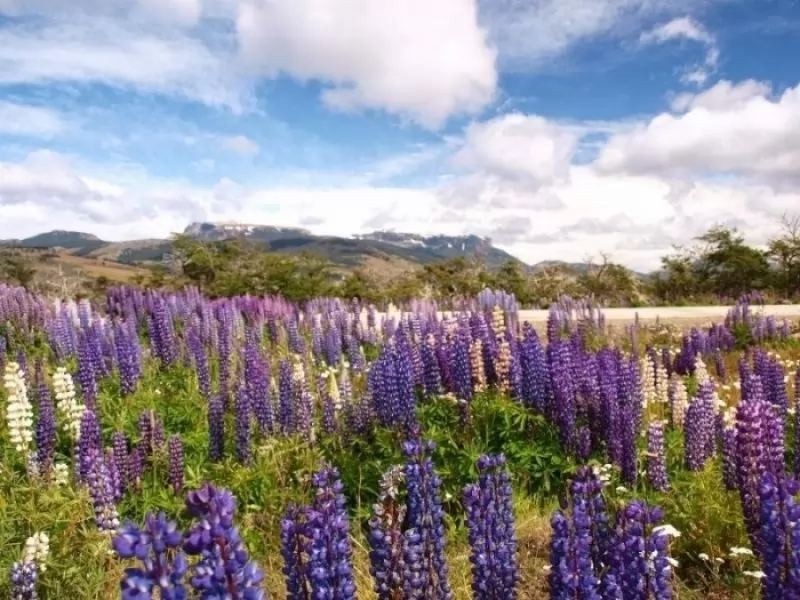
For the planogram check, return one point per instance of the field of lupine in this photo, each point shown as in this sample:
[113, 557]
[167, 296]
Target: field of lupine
[171, 446]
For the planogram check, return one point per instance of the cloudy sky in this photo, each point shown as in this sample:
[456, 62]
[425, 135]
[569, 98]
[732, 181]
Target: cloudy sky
[559, 128]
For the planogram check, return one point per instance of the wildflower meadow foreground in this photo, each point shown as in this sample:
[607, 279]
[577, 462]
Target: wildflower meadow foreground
[166, 445]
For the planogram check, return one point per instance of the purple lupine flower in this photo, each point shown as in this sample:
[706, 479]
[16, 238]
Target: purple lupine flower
[286, 410]
[163, 566]
[431, 375]
[562, 579]
[386, 538]
[46, 431]
[175, 460]
[128, 359]
[563, 389]
[533, 366]
[151, 431]
[752, 460]
[492, 532]
[698, 430]
[426, 570]
[658, 553]
[780, 536]
[729, 458]
[322, 563]
[216, 429]
[87, 378]
[256, 376]
[114, 476]
[577, 546]
[136, 469]
[89, 442]
[194, 343]
[656, 457]
[629, 407]
[797, 423]
[119, 443]
[244, 450]
[162, 333]
[224, 569]
[101, 488]
[292, 552]
[23, 577]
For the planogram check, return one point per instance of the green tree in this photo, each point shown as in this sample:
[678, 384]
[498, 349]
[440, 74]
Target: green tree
[454, 277]
[677, 280]
[19, 270]
[727, 266]
[784, 252]
[512, 278]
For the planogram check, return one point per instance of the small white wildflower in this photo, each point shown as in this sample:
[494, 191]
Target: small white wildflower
[737, 551]
[719, 560]
[622, 489]
[755, 574]
[667, 529]
[703, 556]
[672, 561]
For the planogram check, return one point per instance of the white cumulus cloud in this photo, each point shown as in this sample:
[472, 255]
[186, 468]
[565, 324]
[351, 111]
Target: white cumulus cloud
[423, 60]
[739, 129]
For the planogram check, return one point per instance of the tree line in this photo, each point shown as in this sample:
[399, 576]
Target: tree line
[717, 267]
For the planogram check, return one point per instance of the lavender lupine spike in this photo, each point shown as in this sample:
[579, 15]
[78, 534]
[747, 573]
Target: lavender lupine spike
[151, 431]
[386, 538]
[114, 476]
[136, 469]
[89, 442]
[780, 537]
[224, 569]
[163, 565]
[244, 450]
[101, 488]
[426, 569]
[329, 561]
[292, 552]
[216, 428]
[119, 443]
[492, 532]
[797, 424]
[656, 457]
[24, 578]
[46, 432]
[175, 460]
[752, 460]
[87, 378]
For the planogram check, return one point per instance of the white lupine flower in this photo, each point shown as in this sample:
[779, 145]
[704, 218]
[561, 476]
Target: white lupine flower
[67, 403]
[61, 474]
[19, 412]
[648, 381]
[662, 385]
[700, 370]
[680, 402]
[333, 391]
[37, 549]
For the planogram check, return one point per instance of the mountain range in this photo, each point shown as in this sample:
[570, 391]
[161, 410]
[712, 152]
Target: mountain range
[371, 248]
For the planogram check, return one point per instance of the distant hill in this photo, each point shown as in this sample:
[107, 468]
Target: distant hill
[374, 248]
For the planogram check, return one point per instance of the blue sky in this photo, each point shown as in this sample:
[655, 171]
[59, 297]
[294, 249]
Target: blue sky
[560, 128]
